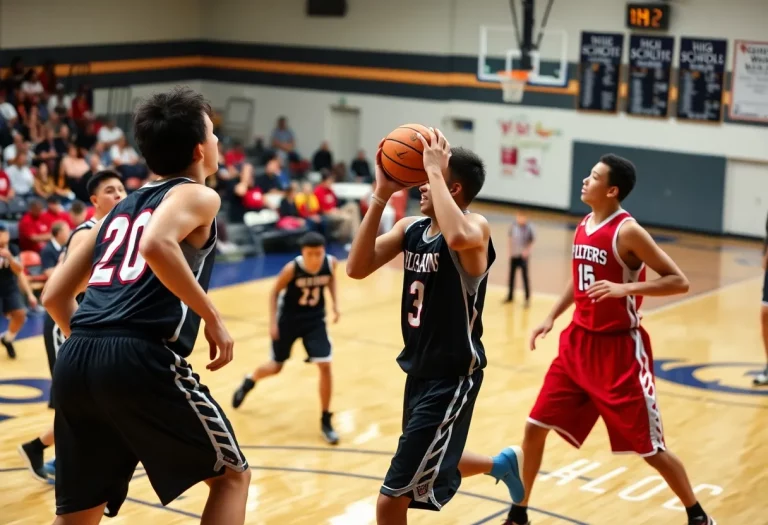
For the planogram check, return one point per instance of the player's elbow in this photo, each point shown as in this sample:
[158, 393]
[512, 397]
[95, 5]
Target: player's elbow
[683, 284]
[151, 247]
[355, 271]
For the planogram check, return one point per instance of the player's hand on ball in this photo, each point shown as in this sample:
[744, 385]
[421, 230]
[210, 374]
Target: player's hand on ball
[218, 339]
[436, 152]
[541, 331]
[385, 187]
[605, 289]
[274, 331]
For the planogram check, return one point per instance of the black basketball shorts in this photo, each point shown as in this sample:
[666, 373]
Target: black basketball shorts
[10, 300]
[121, 400]
[53, 339]
[313, 334]
[436, 418]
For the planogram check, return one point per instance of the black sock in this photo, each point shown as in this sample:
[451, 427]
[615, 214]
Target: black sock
[249, 383]
[518, 514]
[695, 511]
[37, 445]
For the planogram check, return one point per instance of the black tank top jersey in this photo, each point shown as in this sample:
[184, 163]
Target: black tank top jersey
[304, 297]
[442, 308]
[123, 294]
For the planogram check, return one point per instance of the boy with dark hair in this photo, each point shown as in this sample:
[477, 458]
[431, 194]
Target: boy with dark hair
[447, 257]
[297, 311]
[604, 367]
[124, 390]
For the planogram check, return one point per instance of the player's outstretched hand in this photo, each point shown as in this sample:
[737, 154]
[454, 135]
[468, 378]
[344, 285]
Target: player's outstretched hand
[541, 331]
[385, 186]
[436, 152]
[604, 289]
[218, 339]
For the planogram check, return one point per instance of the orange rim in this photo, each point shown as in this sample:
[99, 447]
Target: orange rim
[516, 74]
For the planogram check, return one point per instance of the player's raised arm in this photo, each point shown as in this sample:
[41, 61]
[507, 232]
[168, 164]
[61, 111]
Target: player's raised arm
[186, 208]
[461, 231]
[635, 240]
[283, 278]
[369, 252]
[68, 280]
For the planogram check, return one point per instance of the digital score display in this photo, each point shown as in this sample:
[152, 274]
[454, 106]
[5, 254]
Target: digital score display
[648, 16]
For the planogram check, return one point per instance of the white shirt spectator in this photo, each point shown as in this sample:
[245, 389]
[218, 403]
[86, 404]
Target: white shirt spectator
[9, 153]
[22, 179]
[8, 112]
[127, 155]
[55, 101]
[109, 135]
[32, 88]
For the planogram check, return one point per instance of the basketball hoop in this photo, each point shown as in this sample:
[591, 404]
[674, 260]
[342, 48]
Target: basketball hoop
[513, 85]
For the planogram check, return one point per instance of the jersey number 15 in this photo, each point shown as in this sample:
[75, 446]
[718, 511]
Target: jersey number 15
[586, 277]
[133, 264]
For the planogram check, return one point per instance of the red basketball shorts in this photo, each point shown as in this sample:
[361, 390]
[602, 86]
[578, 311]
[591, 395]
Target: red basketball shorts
[602, 375]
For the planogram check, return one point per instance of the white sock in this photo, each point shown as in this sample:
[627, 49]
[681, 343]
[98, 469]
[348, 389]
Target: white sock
[9, 336]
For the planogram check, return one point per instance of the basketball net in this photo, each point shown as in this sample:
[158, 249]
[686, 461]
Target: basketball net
[513, 85]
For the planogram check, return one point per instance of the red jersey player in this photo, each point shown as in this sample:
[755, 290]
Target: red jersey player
[604, 367]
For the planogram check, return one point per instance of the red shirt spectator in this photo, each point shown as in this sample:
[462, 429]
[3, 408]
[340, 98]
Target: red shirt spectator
[326, 197]
[6, 192]
[34, 229]
[55, 212]
[235, 156]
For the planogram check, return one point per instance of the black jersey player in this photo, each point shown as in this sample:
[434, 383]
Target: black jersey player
[106, 190]
[124, 390]
[297, 311]
[447, 256]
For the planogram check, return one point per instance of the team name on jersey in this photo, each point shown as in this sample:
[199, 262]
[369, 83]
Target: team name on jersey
[422, 262]
[314, 280]
[590, 253]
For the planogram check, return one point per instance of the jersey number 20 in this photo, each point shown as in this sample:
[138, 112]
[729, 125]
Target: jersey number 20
[133, 264]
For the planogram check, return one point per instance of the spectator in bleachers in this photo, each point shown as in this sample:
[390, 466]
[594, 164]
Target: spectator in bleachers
[235, 156]
[307, 203]
[323, 159]
[72, 170]
[49, 255]
[257, 152]
[343, 221]
[86, 138]
[15, 74]
[6, 190]
[109, 134]
[60, 103]
[80, 106]
[269, 181]
[77, 214]
[44, 185]
[49, 150]
[283, 141]
[48, 77]
[7, 111]
[340, 173]
[55, 212]
[31, 85]
[10, 291]
[22, 178]
[361, 168]
[34, 229]
[12, 150]
[289, 213]
[128, 163]
[34, 130]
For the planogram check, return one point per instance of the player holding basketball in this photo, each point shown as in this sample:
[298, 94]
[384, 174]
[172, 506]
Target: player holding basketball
[124, 390]
[297, 311]
[106, 190]
[447, 256]
[605, 366]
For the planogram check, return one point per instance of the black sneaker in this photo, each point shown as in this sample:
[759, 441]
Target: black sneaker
[329, 433]
[702, 520]
[9, 348]
[241, 392]
[34, 461]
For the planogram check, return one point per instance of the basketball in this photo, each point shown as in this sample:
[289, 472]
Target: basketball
[401, 155]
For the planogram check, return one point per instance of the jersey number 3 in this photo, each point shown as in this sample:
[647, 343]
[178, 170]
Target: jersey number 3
[417, 289]
[133, 264]
[586, 277]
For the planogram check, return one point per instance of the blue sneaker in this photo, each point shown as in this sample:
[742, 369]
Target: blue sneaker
[50, 469]
[508, 467]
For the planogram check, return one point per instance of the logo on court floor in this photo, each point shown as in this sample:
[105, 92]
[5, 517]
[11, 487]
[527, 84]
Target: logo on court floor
[723, 377]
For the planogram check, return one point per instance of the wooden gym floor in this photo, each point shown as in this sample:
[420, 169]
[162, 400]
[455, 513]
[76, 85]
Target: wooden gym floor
[707, 347]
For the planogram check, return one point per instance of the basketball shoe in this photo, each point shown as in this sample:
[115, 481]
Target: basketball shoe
[761, 379]
[32, 454]
[508, 467]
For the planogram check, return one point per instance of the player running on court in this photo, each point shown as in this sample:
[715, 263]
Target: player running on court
[297, 311]
[106, 190]
[124, 390]
[604, 367]
[447, 256]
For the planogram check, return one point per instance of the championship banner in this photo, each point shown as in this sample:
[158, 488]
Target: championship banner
[749, 81]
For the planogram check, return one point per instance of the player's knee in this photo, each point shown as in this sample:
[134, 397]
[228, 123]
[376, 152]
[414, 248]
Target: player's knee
[324, 368]
[274, 367]
[535, 433]
[19, 315]
[389, 509]
[232, 480]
